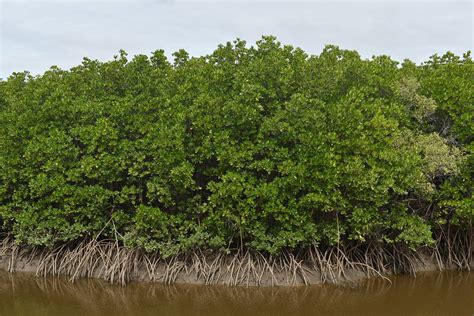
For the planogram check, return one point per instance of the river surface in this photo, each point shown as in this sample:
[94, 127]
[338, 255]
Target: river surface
[434, 293]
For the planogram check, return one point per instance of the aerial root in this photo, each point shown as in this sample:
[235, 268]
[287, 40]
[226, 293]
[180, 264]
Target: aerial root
[115, 263]
[454, 248]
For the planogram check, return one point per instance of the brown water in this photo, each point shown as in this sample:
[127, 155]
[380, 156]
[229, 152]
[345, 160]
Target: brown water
[448, 293]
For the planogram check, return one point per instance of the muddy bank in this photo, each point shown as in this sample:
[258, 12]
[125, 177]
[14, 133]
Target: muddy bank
[116, 264]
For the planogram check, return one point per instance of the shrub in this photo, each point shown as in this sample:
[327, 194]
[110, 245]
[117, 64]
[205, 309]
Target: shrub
[262, 146]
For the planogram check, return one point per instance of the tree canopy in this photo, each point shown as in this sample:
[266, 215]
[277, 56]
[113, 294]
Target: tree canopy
[263, 146]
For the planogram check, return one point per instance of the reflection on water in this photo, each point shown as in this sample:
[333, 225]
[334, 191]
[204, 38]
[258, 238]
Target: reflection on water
[447, 293]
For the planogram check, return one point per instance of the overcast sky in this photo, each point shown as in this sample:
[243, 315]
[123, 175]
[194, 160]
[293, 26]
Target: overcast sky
[38, 34]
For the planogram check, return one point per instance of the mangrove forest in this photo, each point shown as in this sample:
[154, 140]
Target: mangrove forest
[255, 164]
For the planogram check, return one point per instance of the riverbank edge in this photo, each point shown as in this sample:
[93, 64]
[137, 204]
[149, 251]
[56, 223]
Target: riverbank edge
[114, 263]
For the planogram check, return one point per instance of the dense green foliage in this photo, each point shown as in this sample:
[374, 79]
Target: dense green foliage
[263, 147]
